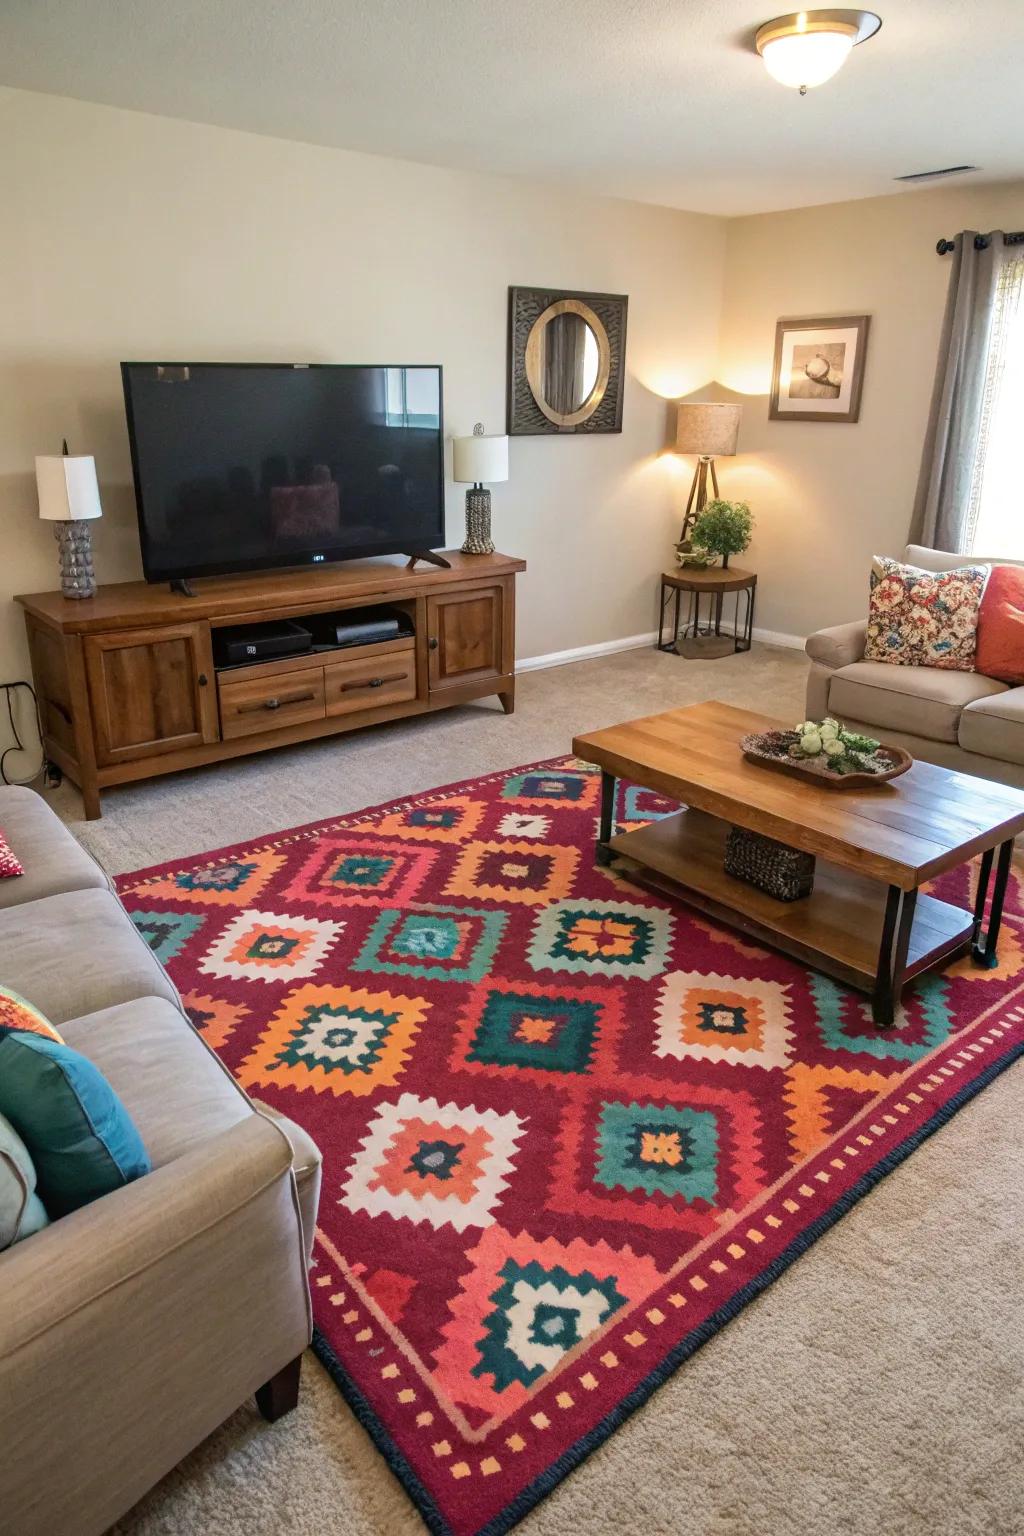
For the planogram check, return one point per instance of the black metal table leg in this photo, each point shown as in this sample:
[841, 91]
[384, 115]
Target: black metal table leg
[984, 951]
[892, 954]
[603, 852]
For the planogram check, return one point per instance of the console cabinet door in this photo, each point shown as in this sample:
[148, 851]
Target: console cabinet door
[465, 636]
[151, 690]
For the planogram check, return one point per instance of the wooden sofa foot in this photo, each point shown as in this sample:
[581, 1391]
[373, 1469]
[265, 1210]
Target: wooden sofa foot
[280, 1394]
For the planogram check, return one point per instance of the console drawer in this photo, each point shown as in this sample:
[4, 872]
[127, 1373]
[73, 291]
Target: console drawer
[250, 706]
[371, 682]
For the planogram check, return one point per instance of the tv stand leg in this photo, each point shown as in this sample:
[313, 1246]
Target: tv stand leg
[508, 700]
[183, 585]
[429, 556]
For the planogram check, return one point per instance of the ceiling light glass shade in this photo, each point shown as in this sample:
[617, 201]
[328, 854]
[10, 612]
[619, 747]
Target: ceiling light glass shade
[809, 47]
[806, 58]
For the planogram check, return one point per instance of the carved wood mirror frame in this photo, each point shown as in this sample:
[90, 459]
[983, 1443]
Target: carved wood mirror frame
[531, 310]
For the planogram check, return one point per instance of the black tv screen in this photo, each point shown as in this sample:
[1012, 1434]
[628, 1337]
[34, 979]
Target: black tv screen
[248, 466]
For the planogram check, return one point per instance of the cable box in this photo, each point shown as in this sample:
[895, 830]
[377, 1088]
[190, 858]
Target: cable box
[238, 644]
[366, 626]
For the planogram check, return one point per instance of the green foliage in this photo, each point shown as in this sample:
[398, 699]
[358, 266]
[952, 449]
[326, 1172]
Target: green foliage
[723, 527]
[843, 751]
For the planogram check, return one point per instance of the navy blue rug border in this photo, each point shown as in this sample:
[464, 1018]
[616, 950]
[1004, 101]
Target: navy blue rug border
[532, 1495]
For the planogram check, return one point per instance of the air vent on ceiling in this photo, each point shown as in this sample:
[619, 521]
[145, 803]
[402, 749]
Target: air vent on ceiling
[946, 170]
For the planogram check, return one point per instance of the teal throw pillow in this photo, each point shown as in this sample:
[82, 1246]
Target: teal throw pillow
[80, 1137]
[21, 1210]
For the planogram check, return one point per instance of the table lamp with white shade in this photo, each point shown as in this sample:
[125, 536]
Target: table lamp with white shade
[475, 460]
[69, 497]
[709, 430]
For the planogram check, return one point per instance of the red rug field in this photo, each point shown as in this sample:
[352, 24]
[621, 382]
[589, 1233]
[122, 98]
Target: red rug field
[569, 1128]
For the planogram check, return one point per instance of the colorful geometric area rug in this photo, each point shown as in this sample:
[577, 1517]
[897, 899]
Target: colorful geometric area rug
[569, 1127]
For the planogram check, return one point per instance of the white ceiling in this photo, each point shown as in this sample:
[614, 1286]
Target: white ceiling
[658, 100]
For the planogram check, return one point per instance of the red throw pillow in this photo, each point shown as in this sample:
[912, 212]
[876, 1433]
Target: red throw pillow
[1001, 626]
[9, 864]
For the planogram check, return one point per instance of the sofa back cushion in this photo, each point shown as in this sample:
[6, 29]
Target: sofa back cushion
[1001, 626]
[939, 560]
[21, 1210]
[920, 618]
[79, 1135]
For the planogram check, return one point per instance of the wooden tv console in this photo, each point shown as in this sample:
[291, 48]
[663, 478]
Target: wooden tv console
[128, 688]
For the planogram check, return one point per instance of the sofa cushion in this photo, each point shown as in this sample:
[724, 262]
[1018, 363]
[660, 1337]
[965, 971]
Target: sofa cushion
[10, 864]
[1001, 626]
[82, 1140]
[53, 861]
[75, 953]
[175, 1089]
[924, 618]
[178, 1091]
[21, 1210]
[994, 727]
[921, 701]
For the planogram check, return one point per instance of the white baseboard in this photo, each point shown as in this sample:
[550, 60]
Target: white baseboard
[776, 637]
[635, 643]
[585, 652]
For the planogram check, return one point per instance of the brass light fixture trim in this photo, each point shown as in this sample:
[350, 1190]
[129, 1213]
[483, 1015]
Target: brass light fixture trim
[857, 26]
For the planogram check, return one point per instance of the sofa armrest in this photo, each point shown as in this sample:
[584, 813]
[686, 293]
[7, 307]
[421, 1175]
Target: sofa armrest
[839, 646]
[131, 1328]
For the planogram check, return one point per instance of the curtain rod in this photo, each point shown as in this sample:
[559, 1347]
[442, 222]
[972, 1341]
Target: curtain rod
[1015, 237]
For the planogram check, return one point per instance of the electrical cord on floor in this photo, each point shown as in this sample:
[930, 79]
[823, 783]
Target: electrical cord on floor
[10, 690]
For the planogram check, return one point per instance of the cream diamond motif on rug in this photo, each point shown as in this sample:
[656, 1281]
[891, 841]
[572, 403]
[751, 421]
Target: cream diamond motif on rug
[723, 1018]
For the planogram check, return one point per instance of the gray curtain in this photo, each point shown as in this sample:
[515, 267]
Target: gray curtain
[943, 506]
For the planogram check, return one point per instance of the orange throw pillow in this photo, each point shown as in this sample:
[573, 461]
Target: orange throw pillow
[1001, 626]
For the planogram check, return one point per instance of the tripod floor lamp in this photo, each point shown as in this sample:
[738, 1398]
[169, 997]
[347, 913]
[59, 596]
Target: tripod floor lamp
[709, 430]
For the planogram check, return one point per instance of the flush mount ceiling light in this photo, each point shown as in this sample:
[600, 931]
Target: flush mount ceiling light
[807, 48]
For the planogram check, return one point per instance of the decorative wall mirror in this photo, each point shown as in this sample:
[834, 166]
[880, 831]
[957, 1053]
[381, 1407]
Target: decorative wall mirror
[565, 361]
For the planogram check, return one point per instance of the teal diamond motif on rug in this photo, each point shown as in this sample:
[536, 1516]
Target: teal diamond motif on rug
[540, 1312]
[167, 933]
[370, 870]
[659, 1148]
[437, 943]
[521, 1030]
[337, 1038]
[833, 1004]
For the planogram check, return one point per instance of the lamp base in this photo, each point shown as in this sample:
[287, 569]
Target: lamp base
[77, 576]
[478, 522]
[698, 499]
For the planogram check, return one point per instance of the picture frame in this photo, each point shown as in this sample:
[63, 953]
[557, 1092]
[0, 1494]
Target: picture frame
[818, 369]
[566, 361]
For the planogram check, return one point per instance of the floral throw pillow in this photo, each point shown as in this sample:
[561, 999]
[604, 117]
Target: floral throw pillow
[10, 864]
[924, 618]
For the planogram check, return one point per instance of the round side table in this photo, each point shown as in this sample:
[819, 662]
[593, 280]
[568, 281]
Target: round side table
[714, 582]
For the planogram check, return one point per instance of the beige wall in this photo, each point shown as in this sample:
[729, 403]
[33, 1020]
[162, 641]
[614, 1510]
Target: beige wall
[128, 236]
[828, 497]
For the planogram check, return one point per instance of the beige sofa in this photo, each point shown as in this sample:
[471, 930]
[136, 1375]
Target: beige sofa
[959, 719]
[130, 1329]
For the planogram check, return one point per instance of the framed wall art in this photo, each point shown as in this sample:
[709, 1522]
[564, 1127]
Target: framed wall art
[819, 369]
[566, 355]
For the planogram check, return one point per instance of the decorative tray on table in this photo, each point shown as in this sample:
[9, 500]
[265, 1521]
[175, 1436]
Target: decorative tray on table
[861, 765]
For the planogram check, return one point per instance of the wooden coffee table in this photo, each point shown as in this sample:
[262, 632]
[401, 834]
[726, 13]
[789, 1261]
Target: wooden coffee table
[865, 923]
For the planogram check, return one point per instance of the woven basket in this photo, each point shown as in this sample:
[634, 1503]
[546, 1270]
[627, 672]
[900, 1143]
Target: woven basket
[783, 872]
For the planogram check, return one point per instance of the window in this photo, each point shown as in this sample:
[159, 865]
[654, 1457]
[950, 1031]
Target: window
[996, 509]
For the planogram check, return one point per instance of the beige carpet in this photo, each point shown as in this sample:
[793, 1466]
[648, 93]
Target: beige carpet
[875, 1389]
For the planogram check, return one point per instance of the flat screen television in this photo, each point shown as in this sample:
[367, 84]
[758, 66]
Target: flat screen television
[247, 466]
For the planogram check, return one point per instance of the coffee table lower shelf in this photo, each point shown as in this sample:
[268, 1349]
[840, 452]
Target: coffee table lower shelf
[840, 928]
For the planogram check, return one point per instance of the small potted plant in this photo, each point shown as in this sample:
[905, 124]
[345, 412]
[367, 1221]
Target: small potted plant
[723, 528]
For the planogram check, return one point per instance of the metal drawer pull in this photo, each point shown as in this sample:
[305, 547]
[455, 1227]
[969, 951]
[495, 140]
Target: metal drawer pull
[294, 698]
[376, 682]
